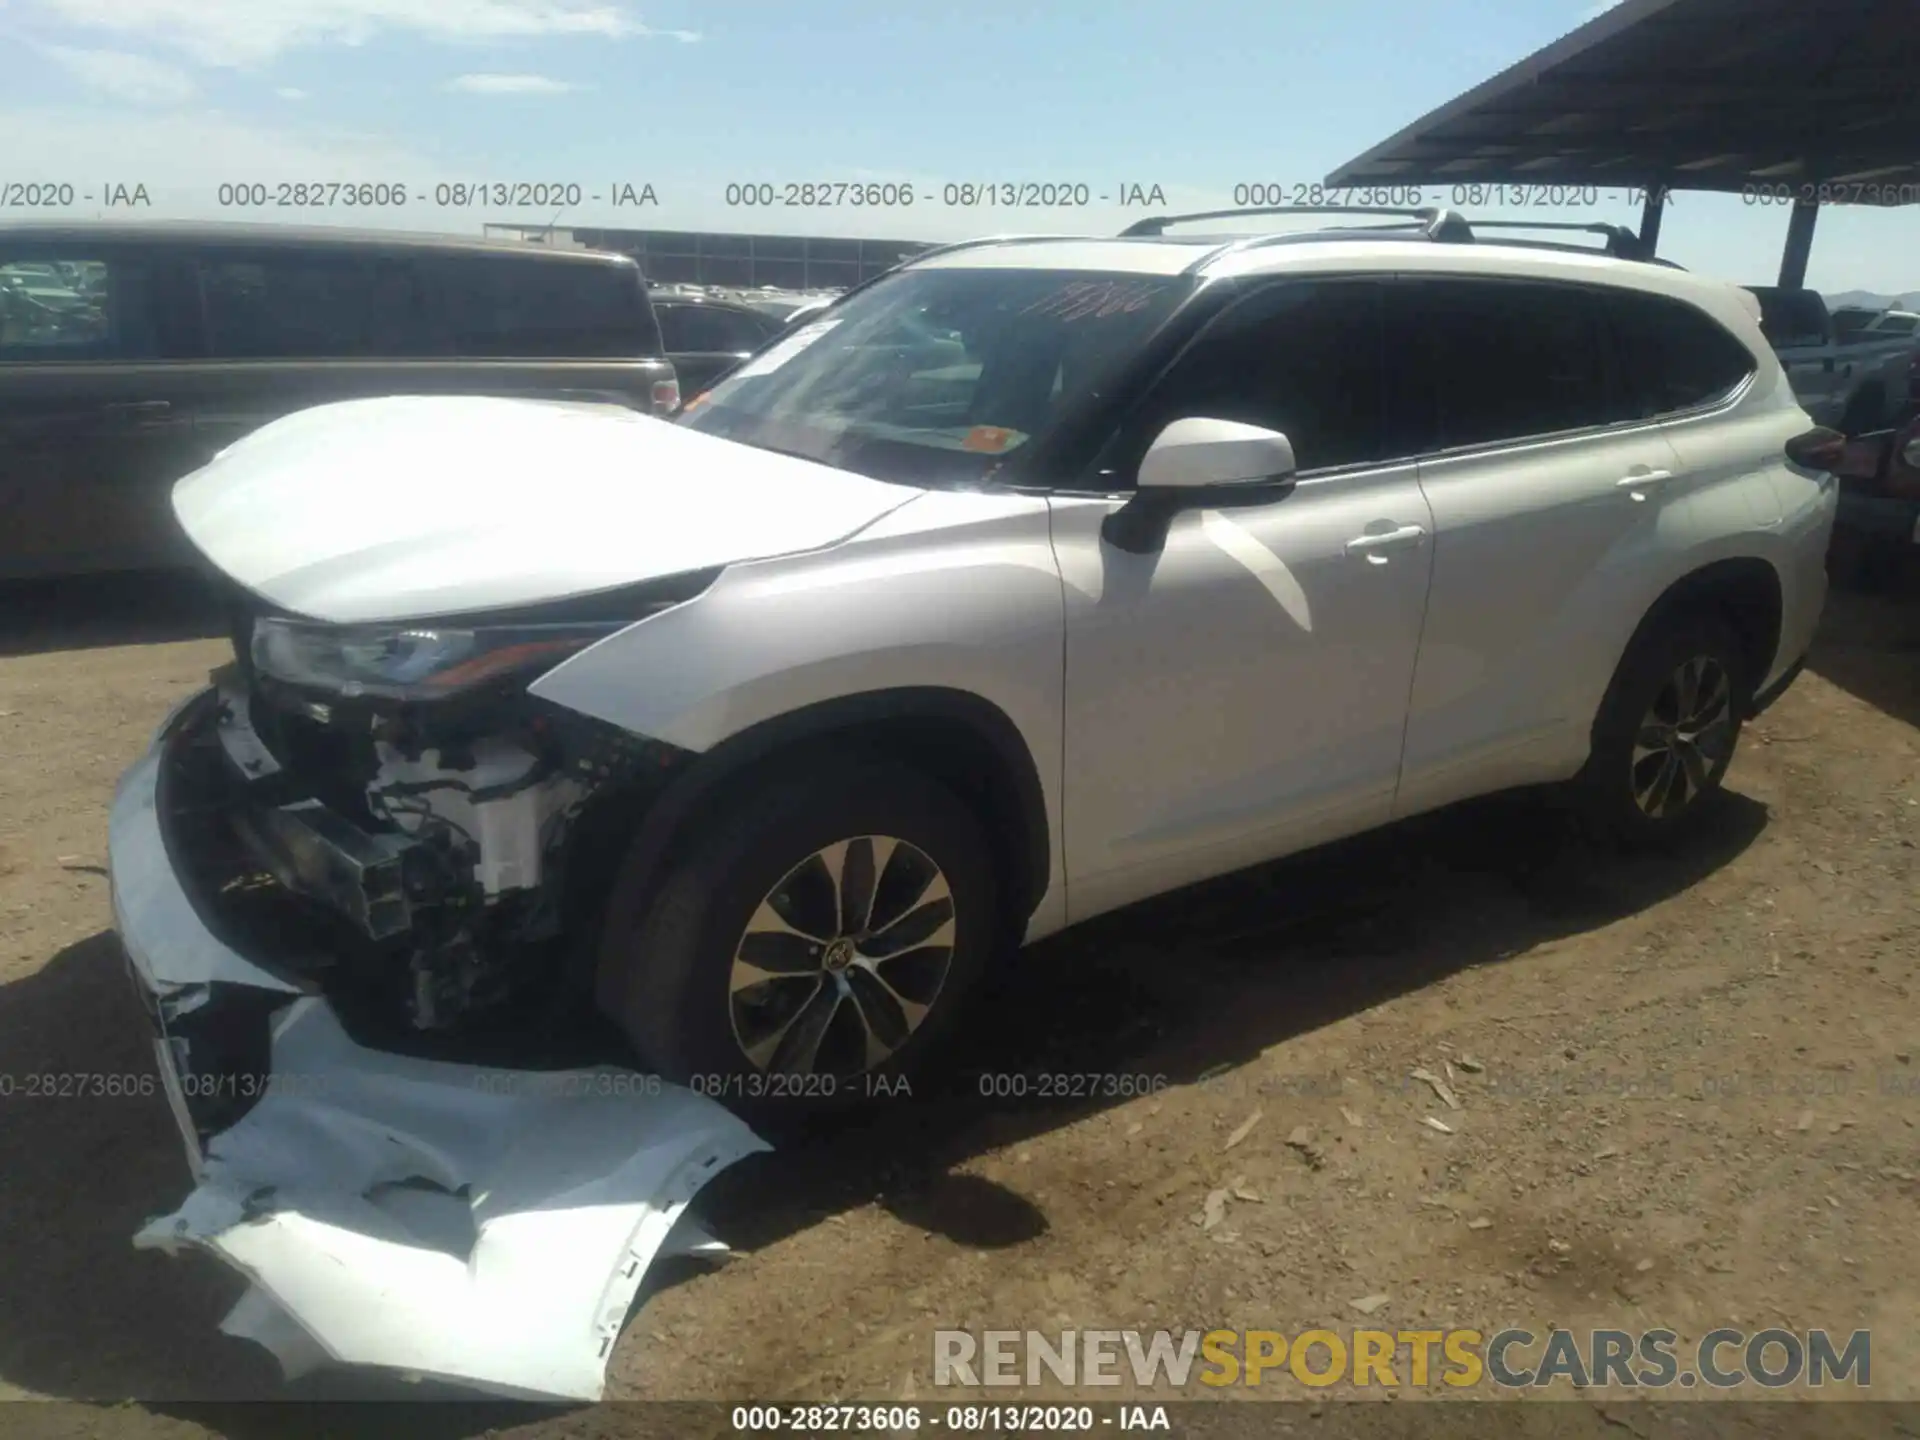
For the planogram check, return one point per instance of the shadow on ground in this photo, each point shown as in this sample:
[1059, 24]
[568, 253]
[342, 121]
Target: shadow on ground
[1179, 987]
[90, 612]
[1869, 643]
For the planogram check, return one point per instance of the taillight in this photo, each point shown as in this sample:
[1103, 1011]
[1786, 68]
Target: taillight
[1818, 449]
[666, 396]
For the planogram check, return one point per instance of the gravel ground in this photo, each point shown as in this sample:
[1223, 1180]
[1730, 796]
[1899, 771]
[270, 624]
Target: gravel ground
[1687, 1089]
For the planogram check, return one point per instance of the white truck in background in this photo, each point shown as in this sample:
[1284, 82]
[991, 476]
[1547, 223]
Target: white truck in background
[1856, 381]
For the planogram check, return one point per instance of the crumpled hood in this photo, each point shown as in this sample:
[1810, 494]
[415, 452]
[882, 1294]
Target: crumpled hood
[421, 505]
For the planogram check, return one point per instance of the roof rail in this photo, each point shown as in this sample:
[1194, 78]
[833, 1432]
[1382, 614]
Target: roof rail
[1623, 242]
[1440, 224]
[951, 246]
[1410, 230]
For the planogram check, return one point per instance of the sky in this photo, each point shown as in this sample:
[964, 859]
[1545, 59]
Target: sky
[668, 103]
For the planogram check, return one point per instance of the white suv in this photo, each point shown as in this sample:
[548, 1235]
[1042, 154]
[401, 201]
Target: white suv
[1035, 578]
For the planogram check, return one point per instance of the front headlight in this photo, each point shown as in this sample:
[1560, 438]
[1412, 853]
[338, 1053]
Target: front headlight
[1910, 453]
[411, 662]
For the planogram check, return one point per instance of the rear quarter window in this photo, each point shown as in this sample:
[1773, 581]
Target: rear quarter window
[1673, 357]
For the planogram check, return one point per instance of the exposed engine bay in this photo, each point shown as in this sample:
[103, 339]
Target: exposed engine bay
[438, 846]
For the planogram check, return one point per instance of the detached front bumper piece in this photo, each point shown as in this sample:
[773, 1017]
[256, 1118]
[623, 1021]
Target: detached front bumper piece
[485, 1227]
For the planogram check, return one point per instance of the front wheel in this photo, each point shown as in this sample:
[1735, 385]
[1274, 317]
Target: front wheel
[818, 938]
[1667, 731]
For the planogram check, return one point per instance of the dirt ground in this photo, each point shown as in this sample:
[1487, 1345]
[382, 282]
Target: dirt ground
[1687, 1087]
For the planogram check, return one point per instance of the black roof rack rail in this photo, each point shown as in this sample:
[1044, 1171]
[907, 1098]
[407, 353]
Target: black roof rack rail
[1406, 230]
[1440, 223]
[1561, 247]
[1623, 242]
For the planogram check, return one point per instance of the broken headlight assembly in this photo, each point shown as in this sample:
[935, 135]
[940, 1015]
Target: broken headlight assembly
[414, 663]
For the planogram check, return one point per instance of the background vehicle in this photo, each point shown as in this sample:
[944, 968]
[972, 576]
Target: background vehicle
[1054, 574]
[1878, 525]
[130, 355]
[1855, 381]
[704, 337]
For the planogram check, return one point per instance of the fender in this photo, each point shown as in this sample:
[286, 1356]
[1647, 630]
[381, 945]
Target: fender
[784, 650]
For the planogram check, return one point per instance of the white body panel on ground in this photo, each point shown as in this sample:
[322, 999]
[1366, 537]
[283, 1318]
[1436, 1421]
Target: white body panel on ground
[536, 1203]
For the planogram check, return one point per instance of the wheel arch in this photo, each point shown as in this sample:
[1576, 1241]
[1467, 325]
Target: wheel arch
[1745, 590]
[960, 738]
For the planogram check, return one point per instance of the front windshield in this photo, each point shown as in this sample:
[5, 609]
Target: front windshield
[938, 376]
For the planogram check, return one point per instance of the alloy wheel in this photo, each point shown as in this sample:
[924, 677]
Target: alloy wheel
[843, 959]
[1684, 739]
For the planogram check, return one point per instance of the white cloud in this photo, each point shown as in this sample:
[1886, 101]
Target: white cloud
[510, 85]
[289, 92]
[136, 79]
[252, 32]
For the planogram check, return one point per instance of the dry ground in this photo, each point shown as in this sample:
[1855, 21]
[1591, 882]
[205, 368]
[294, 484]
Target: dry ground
[1696, 1101]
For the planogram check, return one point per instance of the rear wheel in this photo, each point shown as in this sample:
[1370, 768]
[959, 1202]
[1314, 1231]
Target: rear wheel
[1667, 732]
[820, 934]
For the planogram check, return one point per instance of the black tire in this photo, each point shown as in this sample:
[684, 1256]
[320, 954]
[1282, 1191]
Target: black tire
[1613, 788]
[674, 962]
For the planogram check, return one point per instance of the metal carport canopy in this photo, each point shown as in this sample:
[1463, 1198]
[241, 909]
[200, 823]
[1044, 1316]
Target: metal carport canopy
[1818, 100]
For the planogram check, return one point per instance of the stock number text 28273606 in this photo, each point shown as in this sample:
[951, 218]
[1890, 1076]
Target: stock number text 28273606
[1257, 194]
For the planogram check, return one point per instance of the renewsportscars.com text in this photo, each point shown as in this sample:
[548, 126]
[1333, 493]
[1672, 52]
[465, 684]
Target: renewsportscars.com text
[1723, 1359]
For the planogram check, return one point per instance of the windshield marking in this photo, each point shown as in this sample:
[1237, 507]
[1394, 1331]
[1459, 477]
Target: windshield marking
[1098, 299]
[780, 354]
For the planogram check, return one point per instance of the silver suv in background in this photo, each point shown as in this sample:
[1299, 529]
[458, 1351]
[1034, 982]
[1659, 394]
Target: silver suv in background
[1856, 378]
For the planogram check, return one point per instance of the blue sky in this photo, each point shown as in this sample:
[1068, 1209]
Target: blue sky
[182, 96]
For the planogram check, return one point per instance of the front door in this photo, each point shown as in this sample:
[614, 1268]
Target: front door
[1242, 692]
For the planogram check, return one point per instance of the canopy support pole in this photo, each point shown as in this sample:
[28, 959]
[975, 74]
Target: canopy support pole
[1793, 259]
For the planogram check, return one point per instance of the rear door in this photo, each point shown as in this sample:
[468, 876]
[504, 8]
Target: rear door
[1547, 494]
[705, 340]
[91, 432]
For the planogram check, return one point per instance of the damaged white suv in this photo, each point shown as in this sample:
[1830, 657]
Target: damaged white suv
[1038, 577]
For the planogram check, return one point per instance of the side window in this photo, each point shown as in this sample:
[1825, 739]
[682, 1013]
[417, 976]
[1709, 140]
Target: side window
[74, 307]
[314, 305]
[709, 329]
[1897, 324]
[513, 308]
[1301, 357]
[1672, 357]
[1505, 360]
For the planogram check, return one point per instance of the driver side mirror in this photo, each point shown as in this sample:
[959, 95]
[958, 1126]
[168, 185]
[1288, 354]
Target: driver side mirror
[1200, 464]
